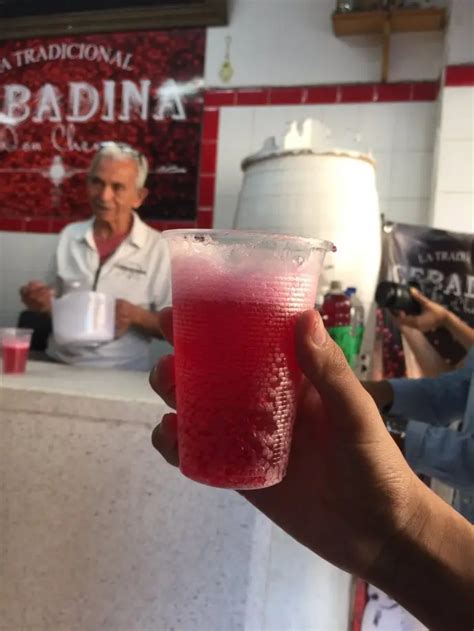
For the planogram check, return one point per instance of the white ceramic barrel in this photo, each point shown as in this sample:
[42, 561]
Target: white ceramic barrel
[330, 195]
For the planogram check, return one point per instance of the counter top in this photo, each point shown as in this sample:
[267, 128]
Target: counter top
[91, 382]
[82, 392]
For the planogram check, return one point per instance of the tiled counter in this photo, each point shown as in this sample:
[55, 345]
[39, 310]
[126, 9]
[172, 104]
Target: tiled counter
[97, 532]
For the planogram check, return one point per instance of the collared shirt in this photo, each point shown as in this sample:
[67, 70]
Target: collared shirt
[138, 271]
[431, 447]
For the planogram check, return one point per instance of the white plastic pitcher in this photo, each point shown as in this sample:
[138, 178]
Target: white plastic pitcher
[84, 317]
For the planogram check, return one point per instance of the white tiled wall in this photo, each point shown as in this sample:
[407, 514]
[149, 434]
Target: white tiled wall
[453, 202]
[291, 42]
[460, 35]
[400, 136]
[23, 257]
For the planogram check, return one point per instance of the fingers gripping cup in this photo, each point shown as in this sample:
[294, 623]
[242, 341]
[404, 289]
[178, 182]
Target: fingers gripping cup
[236, 296]
[15, 347]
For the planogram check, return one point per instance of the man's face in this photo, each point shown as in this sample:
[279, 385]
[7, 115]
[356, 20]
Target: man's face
[112, 189]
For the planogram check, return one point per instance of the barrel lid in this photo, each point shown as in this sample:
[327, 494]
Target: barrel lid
[309, 138]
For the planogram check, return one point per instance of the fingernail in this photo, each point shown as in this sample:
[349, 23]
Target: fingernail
[319, 332]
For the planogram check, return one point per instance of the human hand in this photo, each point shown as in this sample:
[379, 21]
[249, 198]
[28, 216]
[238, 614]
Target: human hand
[37, 296]
[348, 491]
[432, 316]
[125, 316]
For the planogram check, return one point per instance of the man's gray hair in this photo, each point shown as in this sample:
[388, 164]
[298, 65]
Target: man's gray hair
[122, 151]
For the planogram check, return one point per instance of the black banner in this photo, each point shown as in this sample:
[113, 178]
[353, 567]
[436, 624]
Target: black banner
[440, 264]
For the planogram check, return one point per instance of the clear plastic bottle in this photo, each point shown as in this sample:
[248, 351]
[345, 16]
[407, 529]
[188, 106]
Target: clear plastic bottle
[336, 314]
[336, 309]
[357, 323]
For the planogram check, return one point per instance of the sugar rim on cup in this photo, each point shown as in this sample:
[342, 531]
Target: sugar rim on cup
[15, 331]
[252, 236]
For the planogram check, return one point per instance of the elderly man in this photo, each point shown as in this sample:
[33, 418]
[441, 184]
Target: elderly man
[116, 253]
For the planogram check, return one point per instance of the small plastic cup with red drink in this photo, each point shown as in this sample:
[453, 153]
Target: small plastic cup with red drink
[15, 347]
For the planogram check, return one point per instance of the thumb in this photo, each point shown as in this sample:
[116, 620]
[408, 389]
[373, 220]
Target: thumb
[419, 297]
[323, 363]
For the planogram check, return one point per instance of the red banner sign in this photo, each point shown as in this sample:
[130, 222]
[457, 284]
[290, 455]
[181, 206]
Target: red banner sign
[60, 98]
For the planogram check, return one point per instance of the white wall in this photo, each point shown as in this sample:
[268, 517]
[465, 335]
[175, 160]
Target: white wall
[453, 202]
[453, 171]
[460, 35]
[400, 136]
[23, 257]
[291, 42]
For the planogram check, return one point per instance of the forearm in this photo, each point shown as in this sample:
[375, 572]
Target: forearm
[39, 300]
[427, 357]
[46, 309]
[37, 306]
[148, 322]
[461, 331]
[441, 453]
[429, 568]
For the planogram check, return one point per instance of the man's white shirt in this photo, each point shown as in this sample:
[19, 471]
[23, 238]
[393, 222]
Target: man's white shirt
[138, 271]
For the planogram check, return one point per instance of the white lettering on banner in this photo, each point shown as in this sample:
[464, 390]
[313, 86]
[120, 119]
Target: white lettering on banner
[10, 142]
[54, 52]
[63, 138]
[48, 105]
[5, 65]
[426, 257]
[450, 285]
[169, 102]
[83, 102]
[70, 55]
[460, 256]
[42, 54]
[66, 51]
[126, 62]
[470, 287]
[416, 273]
[91, 52]
[106, 53]
[434, 276]
[8, 139]
[133, 97]
[17, 54]
[109, 101]
[453, 286]
[16, 102]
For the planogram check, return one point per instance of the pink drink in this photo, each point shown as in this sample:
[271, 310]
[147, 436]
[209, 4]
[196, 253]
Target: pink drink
[236, 372]
[15, 354]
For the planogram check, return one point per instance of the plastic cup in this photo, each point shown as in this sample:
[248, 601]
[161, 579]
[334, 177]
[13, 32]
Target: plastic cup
[15, 346]
[236, 296]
